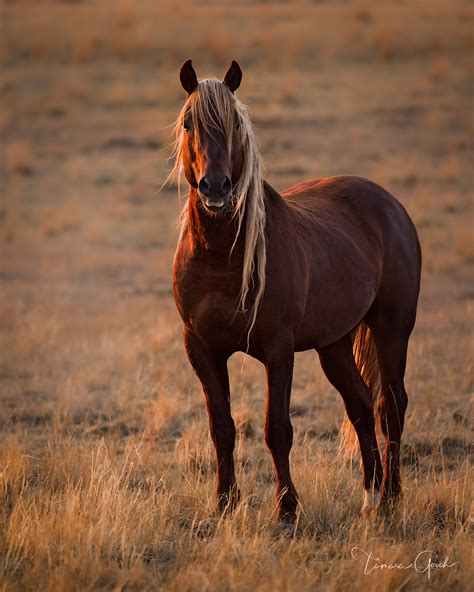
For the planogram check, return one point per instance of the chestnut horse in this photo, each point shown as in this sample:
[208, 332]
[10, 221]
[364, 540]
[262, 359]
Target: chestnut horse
[331, 264]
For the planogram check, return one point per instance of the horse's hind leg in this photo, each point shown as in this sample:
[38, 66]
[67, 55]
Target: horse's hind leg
[337, 361]
[392, 354]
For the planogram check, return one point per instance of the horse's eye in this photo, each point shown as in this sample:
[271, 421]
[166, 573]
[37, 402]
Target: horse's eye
[187, 125]
[237, 125]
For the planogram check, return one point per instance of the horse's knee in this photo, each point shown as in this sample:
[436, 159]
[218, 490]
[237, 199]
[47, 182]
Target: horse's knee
[223, 436]
[279, 434]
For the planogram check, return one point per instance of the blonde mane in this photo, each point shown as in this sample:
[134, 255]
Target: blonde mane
[214, 107]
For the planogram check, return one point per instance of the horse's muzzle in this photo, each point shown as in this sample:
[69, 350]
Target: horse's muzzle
[215, 192]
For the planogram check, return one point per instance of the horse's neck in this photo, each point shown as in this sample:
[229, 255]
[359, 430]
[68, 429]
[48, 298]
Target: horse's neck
[213, 234]
[272, 196]
[216, 234]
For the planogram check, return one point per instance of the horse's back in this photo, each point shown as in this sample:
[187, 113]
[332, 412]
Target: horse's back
[347, 201]
[335, 196]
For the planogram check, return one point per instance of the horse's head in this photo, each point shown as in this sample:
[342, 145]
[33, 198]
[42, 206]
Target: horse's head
[213, 136]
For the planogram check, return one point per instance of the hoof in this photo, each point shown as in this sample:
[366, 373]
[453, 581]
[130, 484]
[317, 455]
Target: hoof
[371, 504]
[286, 517]
[227, 502]
[287, 529]
[388, 505]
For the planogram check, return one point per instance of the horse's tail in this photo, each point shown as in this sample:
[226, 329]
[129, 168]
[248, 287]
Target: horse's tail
[365, 356]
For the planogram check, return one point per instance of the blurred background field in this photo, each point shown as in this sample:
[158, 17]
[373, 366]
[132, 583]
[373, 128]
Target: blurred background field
[106, 467]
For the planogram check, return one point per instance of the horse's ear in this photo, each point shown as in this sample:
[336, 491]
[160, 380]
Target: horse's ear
[233, 77]
[188, 77]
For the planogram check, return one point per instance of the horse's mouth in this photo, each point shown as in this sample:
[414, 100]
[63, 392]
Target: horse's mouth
[215, 206]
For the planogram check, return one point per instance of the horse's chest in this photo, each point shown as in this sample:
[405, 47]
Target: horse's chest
[208, 301]
[215, 317]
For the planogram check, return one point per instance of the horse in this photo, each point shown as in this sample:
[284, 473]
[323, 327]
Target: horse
[331, 264]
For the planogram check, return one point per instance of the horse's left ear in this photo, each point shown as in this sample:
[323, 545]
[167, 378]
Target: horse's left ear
[233, 77]
[188, 77]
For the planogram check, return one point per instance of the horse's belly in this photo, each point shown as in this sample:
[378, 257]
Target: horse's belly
[334, 309]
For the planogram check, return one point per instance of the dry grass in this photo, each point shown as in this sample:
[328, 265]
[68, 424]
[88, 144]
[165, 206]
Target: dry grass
[106, 467]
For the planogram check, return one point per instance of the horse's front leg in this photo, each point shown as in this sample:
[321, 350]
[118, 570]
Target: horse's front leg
[211, 370]
[278, 428]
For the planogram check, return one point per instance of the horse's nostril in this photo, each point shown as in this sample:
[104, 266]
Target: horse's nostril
[220, 187]
[204, 186]
[226, 186]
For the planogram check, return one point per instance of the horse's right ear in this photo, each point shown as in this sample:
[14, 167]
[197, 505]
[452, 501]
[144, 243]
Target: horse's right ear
[188, 77]
[233, 77]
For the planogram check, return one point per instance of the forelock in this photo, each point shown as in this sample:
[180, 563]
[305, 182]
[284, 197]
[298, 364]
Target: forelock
[212, 106]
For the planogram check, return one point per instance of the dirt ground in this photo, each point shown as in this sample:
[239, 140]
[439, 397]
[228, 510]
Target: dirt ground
[106, 466]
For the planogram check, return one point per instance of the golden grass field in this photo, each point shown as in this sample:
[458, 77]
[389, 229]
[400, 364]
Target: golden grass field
[106, 467]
